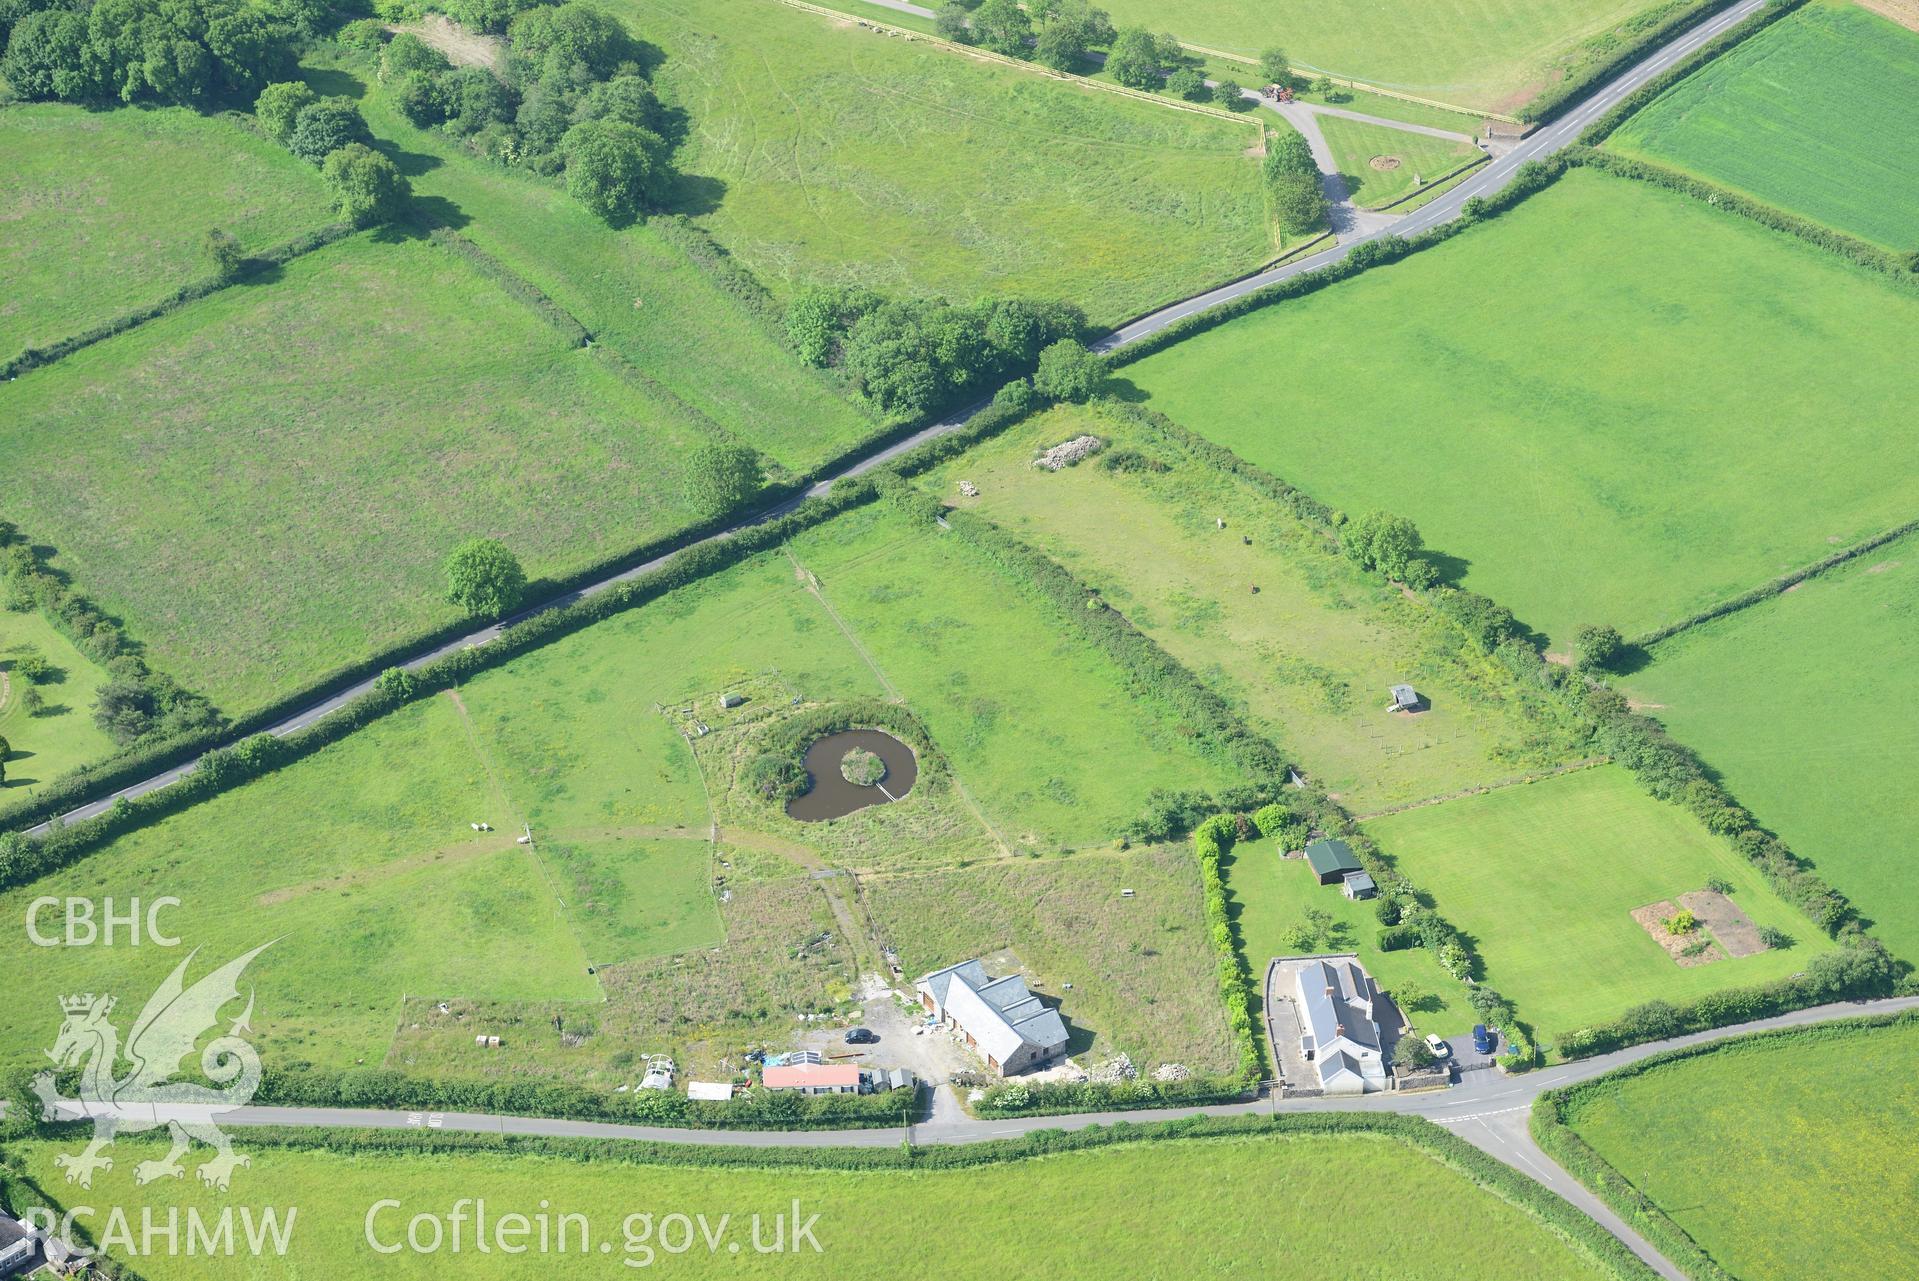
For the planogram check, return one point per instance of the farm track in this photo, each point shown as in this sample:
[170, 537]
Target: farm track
[1444, 208]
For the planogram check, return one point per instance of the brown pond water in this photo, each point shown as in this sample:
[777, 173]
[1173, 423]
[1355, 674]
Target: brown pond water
[831, 796]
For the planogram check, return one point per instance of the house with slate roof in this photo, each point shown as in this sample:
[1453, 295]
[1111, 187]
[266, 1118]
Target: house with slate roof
[1013, 1030]
[1337, 1032]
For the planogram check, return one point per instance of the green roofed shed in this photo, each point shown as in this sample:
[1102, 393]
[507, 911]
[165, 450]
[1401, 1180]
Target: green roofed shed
[1331, 860]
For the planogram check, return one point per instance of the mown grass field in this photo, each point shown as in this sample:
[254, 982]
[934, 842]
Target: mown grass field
[1543, 879]
[1805, 116]
[1467, 52]
[106, 211]
[1310, 655]
[1782, 1157]
[265, 484]
[1042, 732]
[1663, 407]
[1142, 969]
[1421, 158]
[63, 736]
[1269, 896]
[1804, 705]
[823, 152]
[977, 1215]
[636, 293]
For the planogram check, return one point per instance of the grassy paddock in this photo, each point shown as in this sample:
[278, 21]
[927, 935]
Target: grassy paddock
[1543, 879]
[1815, 683]
[264, 484]
[978, 1214]
[63, 735]
[1721, 406]
[105, 211]
[1309, 655]
[1781, 1156]
[820, 151]
[1803, 115]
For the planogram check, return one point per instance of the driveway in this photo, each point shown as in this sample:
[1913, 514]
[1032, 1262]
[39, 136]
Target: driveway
[931, 1056]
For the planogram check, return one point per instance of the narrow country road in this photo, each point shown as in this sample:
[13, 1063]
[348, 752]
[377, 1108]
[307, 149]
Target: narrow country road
[1488, 1109]
[1442, 209]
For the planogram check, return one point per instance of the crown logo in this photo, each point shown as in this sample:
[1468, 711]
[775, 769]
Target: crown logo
[82, 1004]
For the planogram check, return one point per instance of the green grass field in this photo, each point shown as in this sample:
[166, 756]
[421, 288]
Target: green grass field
[1269, 896]
[1142, 969]
[977, 1215]
[820, 151]
[265, 483]
[1491, 56]
[360, 861]
[1612, 403]
[1803, 704]
[1042, 732]
[105, 211]
[1309, 656]
[1783, 1157]
[362, 857]
[1420, 158]
[62, 736]
[637, 294]
[1803, 115]
[1544, 878]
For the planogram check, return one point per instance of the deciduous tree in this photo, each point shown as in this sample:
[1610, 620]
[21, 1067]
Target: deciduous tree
[484, 578]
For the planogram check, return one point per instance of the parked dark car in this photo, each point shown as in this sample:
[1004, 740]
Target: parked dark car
[1483, 1040]
[861, 1036]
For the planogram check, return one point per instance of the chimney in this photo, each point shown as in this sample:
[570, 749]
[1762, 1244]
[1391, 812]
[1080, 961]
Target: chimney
[1329, 989]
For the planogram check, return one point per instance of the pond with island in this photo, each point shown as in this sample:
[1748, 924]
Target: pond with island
[851, 770]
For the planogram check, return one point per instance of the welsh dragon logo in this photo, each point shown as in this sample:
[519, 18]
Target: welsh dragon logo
[147, 1097]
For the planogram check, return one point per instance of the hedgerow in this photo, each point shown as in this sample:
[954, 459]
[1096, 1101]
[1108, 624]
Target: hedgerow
[1644, 33]
[250, 266]
[386, 1088]
[1551, 1125]
[1777, 586]
[1630, 105]
[1898, 267]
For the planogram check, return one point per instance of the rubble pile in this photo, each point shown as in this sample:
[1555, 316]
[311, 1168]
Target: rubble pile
[1065, 455]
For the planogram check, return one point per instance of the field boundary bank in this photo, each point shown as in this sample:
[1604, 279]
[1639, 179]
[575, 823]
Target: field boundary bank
[1773, 587]
[1521, 780]
[253, 266]
[1350, 82]
[1557, 1138]
[1554, 102]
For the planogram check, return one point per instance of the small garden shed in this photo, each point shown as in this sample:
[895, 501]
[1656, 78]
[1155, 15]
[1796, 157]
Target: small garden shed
[1331, 860]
